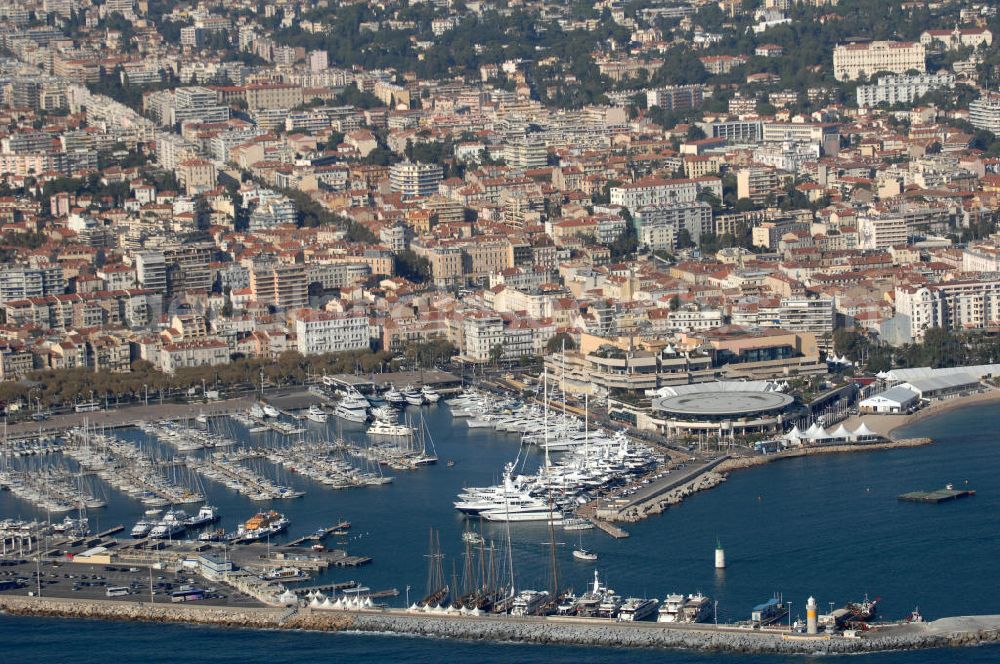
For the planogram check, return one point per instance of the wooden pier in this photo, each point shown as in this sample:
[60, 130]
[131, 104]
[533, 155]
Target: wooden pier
[320, 534]
[610, 529]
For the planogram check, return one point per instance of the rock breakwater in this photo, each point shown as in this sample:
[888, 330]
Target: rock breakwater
[948, 632]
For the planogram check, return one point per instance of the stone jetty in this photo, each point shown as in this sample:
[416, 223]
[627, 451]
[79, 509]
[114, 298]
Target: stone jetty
[947, 632]
[717, 475]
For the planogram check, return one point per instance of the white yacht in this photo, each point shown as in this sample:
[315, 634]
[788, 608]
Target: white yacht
[697, 608]
[529, 602]
[270, 410]
[172, 523]
[635, 609]
[671, 608]
[413, 396]
[395, 397]
[351, 413]
[256, 411]
[316, 414]
[521, 508]
[355, 399]
[142, 528]
[207, 514]
[385, 414]
[430, 394]
[382, 429]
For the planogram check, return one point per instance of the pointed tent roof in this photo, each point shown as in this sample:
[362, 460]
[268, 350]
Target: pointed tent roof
[808, 433]
[864, 432]
[819, 433]
[794, 434]
[841, 432]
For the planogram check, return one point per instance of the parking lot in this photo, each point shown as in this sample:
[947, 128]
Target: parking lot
[86, 581]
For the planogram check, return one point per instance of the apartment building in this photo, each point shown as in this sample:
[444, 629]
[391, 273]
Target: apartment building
[415, 179]
[657, 192]
[268, 96]
[981, 257]
[953, 305]
[196, 176]
[902, 89]
[151, 270]
[984, 113]
[482, 332]
[756, 183]
[676, 97]
[659, 226]
[209, 351]
[20, 282]
[804, 314]
[279, 285]
[323, 332]
[854, 61]
[525, 152]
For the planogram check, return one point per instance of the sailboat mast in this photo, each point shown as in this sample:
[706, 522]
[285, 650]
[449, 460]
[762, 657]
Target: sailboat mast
[545, 416]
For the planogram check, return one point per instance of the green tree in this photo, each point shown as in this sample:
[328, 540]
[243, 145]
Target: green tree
[560, 341]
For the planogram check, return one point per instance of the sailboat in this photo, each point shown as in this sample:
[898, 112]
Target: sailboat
[437, 590]
[581, 553]
[425, 459]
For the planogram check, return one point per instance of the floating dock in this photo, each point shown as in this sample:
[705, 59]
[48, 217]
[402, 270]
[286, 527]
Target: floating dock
[937, 496]
[320, 534]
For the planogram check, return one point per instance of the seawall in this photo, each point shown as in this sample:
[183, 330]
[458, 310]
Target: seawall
[948, 632]
[715, 475]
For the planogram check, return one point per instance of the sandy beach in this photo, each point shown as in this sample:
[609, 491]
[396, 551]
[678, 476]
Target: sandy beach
[887, 425]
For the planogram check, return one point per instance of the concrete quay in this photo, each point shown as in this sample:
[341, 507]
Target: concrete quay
[947, 632]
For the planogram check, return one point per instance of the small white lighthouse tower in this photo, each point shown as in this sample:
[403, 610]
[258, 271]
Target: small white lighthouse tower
[720, 555]
[811, 627]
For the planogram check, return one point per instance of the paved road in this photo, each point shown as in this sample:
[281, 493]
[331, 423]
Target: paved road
[669, 482]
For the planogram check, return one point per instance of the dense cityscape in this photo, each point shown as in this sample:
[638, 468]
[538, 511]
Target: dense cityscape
[253, 252]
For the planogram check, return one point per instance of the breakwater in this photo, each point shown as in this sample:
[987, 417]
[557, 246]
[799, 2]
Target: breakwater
[947, 632]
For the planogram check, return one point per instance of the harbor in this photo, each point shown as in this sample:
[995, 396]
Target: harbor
[424, 497]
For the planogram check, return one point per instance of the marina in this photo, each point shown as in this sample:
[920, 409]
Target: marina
[478, 455]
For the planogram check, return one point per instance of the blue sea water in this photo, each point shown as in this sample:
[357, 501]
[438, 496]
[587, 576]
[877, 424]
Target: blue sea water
[824, 526]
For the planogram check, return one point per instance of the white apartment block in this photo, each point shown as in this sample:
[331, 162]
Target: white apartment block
[415, 179]
[981, 258]
[193, 353]
[902, 89]
[482, 331]
[984, 113]
[692, 318]
[323, 332]
[802, 314]
[852, 61]
[956, 305]
[658, 227]
[882, 232]
[658, 192]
